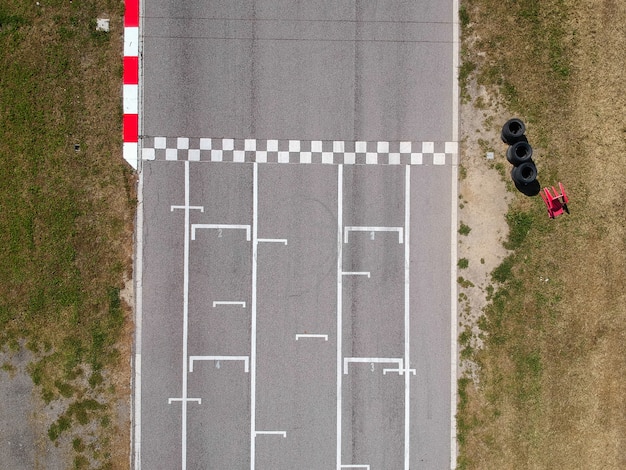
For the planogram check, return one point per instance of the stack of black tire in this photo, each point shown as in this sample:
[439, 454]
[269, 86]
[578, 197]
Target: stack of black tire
[519, 154]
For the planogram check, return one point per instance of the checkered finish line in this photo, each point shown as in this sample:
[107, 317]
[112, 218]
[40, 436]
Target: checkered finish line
[299, 151]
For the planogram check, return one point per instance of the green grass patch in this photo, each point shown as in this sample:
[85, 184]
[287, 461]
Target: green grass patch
[464, 229]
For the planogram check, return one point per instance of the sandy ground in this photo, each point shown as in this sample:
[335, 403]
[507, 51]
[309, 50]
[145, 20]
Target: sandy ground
[483, 203]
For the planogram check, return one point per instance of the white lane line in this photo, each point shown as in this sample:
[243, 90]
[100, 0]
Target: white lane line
[356, 273]
[306, 335]
[185, 321]
[453, 230]
[373, 360]
[172, 400]
[228, 302]
[253, 327]
[245, 359]
[407, 318]
[273, 240]
[220, 227]
[273, 433]
[339, 306]
[372, 230]
[138, 272]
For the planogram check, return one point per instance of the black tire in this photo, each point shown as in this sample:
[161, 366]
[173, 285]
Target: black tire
[512, 131]
[519, 153]
[524, 174]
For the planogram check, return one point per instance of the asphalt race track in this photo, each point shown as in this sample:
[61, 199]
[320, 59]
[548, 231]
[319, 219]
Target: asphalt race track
[298, 249]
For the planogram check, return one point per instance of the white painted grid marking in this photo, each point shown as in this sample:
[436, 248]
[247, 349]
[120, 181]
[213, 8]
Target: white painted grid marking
[407, 319]
[185, 321]
[172, 400]
[307, 335]
[253, 319]
[229, 302]
[356, 273]
[271, 433]
[349, 229]
[273, 240]
[339, 308]
[220, 227]
[173, 207]
[245, 359]
[375, 360]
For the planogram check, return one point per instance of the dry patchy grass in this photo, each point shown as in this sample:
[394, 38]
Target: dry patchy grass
[67, 219]
[550, 392]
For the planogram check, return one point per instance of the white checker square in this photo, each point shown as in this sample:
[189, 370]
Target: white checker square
[349, 158]
[452, 147]
[217, 155]
[194, 155]
[294, 145]
[405, 147]
[360, 147]
[439, 159]
[305, 157]
[327, 158]
[205, 144]
[148, 154]
[338, 146]
[371, 158]
[239, 156]
[228, 144]
[283, 157]
[272, 145]
[182, 143]
[382, 147]
[250, 145]
[416, 159]
[428, 147]
[160, 142]
[171, 154]
[394, 158]
[316, 146]
[261, 157]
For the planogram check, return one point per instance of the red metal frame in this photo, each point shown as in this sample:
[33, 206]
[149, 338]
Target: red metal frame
[556, 202]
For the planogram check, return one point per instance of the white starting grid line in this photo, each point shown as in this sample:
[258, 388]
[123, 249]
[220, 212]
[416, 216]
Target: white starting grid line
[220, 228]
[245, 359]
[307, 335]
[372, 231]
[229, 302]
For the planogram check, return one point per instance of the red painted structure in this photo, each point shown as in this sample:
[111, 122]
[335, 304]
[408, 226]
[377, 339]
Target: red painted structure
[556, 202]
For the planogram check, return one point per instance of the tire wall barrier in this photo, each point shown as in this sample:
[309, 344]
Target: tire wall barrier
[519, 153]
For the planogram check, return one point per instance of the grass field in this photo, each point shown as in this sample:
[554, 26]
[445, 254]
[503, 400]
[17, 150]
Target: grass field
[550, 388]
[66, 220]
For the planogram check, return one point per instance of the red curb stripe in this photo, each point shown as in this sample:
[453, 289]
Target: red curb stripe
[131, 127]
[131, 70]
[131, 14]
[130, 123]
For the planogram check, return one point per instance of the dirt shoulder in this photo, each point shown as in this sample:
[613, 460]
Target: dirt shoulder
[546, 389]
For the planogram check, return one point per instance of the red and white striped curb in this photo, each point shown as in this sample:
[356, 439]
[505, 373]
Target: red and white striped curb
[131, 83]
